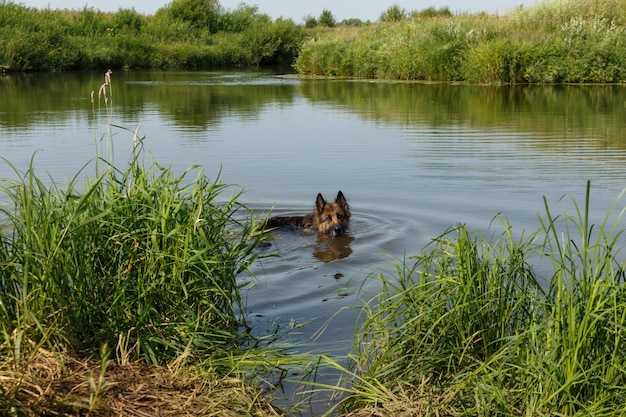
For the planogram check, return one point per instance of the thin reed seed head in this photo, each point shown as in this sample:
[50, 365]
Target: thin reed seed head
[107, 77]
[102, 92]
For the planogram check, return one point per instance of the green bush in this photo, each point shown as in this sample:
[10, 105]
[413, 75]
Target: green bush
[325, 59]
[200, 14]
[90, 22]
[272, 42]
[128, 21]
[503, 60]
[327, 19]
[393, 14]
[240, 19]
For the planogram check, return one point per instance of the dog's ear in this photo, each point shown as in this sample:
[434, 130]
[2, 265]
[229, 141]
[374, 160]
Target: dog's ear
[320, 202]
[341, 200]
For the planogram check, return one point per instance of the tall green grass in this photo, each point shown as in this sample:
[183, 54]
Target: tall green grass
[139, 255]
[472, 327]
[555, 41]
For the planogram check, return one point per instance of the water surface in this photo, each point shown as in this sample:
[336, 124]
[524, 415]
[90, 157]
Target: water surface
[412, 160]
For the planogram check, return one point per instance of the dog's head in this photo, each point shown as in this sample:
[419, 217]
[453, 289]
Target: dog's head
[332, 218]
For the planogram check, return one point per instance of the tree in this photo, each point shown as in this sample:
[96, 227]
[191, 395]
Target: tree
[432, 12]
[327, 19]
[393, 14]
[128, 20]
[200, 14]
[241, 18]
[310, 21]
[352, 22]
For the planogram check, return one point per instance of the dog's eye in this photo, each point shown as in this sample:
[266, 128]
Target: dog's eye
[328, 218]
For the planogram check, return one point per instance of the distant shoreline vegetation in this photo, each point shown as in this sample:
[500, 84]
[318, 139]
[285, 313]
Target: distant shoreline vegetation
[186, 34]
[557, 41]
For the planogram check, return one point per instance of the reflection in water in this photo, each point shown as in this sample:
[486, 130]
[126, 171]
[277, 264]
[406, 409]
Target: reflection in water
[554, 110]
[200, 101]
[332, 248]
[289, 241]
[196, 102]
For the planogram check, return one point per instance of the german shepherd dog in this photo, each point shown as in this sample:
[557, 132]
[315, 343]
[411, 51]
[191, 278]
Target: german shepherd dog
[327, 218]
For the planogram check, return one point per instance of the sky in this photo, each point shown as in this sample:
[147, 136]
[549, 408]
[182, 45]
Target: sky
[297, 9]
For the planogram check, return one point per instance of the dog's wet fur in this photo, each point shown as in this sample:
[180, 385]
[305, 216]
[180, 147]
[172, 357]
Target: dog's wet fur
[327, 218]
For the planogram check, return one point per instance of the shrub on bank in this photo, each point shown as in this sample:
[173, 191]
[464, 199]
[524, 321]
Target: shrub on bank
[139, 254]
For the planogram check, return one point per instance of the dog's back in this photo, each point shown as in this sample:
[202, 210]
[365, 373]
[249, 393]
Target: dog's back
[285, 221]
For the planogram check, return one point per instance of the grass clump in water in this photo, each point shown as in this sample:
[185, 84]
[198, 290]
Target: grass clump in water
[472, 329]
[139, 253]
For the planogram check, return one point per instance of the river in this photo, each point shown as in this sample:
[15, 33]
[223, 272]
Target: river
[412, 159]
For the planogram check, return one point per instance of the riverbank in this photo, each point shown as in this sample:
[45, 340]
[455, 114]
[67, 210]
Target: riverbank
[49, 382]
[119, 294]
[185, 34]
[558, 41]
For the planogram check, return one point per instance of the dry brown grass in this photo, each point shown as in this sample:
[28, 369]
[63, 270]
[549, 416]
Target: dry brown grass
[62, 385]
[409, 401]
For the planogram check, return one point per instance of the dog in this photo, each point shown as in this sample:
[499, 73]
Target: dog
[327, 218]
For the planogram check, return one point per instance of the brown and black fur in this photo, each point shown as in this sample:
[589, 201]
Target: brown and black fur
[329, 218]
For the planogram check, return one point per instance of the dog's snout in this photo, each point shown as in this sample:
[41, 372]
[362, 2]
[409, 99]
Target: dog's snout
[337, 229]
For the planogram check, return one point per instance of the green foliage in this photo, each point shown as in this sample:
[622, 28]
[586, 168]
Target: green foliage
[128, 21]
[276, 42]
[327, 59]
[90, 23]
[553, 42]
[184, 34]
[29, 45]
[504, 60]
[200, 14]
[327, 19]
[473, 328]
[352, 22]
[167, 31]
[310, 21]
[11, 13]
[242, 18]
[430, 12]
[138, 255]
[393, 14]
